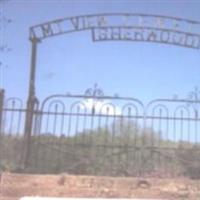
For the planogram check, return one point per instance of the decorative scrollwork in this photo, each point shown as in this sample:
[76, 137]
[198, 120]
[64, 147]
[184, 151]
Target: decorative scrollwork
[94, 92]
[194, 96]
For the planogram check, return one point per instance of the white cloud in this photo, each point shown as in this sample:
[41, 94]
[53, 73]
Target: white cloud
[101, 106]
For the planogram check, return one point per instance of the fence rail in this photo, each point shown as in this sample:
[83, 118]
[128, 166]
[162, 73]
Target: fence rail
[101, 135]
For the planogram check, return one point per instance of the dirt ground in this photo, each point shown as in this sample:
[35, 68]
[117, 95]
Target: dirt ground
[14, 186]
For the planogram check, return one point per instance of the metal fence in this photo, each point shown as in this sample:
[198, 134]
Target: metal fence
[102, 135]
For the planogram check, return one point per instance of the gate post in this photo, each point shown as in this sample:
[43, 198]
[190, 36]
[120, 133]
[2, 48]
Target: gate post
[2, 92]
[30, 109]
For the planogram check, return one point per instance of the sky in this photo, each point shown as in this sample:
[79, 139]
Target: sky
[73, 62]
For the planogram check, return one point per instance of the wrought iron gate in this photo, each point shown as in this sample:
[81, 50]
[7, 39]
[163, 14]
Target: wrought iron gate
[98, 134]
[102, 135]
[105, 135]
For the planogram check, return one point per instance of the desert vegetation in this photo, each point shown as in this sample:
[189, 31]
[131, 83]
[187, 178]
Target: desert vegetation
[125, 150]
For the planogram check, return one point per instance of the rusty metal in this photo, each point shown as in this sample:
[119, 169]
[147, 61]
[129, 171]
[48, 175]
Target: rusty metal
[1, 109]
[125, 27]
[11, 137]
[122, 137]
[31, 102]
[154, 131]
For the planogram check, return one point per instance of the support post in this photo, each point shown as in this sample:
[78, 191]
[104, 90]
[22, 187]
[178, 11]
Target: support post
[2, 95]
[30, 103]
[2, 92]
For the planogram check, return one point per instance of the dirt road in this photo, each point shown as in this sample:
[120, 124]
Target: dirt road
[14, 186]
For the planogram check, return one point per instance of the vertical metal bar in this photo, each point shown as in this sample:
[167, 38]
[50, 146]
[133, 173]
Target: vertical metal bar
[127, 139]
[160, 127]
[54, 141]
[47, 122]
[165, 163]
[36, 143]
[189, 130]
[76, 136]
[181, 127]
[92, 126]
[70, 123]
[84, 126]
[196, 129]
[167, 130]
[175, 119]
[152, 145]
[120, 140]
[12, 116]
[112, 160]
[1, 124]
[19, 122]
[134, 150]
[61, 139]
[62, 122]
[106, 138]
[1, 110]
[142, 146]
[60, 143]
[55, 119]
[174, 128]
[100, 145]
[30, 103]
[36, 121]
[160, 137]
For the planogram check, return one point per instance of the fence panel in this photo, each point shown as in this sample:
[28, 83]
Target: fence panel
[12, 128]
[103, 135]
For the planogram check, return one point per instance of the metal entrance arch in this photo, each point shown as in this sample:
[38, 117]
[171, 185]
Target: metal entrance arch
[109, 27]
